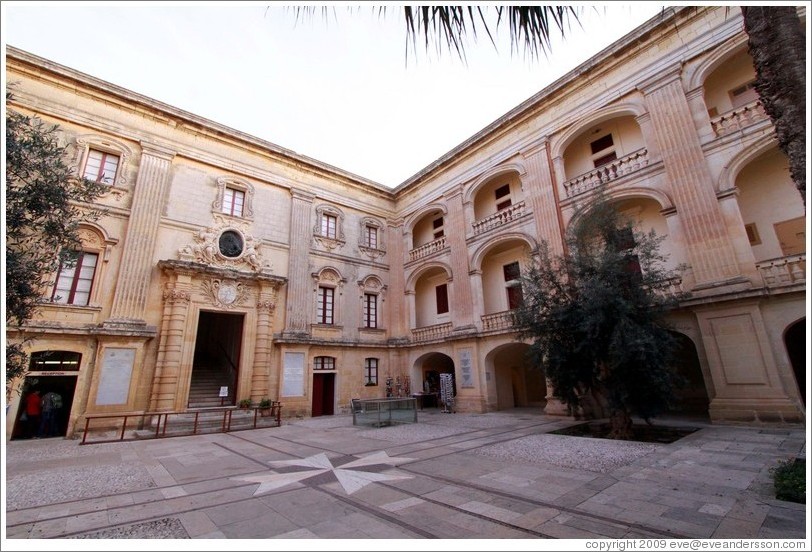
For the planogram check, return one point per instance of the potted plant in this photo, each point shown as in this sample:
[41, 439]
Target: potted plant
[265, 407]
[245, 403]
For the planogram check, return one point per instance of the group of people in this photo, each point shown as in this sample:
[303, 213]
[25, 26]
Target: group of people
[41, 414]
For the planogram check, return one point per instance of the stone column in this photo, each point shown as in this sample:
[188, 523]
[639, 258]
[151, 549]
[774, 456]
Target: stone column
[477, 296]
[542, 193]
[460, 298]
[165, 394]
[263, 343]
[129, 301]
[710, 252]
[299, 304]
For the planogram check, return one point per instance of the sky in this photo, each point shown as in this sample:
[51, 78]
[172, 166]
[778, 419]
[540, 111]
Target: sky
[340, 88]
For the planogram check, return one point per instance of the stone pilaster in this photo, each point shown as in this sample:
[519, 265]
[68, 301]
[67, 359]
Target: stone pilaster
[130, 299]
[170, 350]
[299, 300]
[541, 192]
[397, 283]
[710, 252]
[461, 298]
[263, 343]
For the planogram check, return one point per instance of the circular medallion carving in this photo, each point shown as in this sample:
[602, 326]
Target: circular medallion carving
[227, 293]
[231, 244]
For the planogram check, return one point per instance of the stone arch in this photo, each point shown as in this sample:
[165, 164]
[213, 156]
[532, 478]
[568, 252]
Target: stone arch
[695, 75]
[618, 195]
[489, 174]
[412, 278]
[516, 382]
[692, 398]
[412, 219]
[559, 143]
[483, 250]
[795, 343]
[731, 170]
[428, 367]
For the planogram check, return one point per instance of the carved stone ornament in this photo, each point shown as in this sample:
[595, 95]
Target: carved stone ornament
[224, 293]
[176, 296]
[225, 245]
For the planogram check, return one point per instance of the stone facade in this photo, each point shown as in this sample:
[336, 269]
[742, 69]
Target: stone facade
[292, 279]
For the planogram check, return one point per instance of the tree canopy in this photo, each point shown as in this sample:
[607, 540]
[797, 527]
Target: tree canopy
[596, 319]
[45, 203]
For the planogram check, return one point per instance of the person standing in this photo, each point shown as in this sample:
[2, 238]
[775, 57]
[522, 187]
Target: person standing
[33, 410]
[49, 424]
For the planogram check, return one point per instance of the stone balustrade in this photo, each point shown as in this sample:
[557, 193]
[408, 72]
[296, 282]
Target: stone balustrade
[738, 119]
[499, 218]
[607, 173]
[427, 249]
[783, 271]
[430, 333]
[498, 320]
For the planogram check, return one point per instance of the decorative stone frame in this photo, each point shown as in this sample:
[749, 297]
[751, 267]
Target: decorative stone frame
[331, 278]
[372, 252]
[374, 286]
[93, 239]
[87, 142]
[206, 250]
[324, 241]
[238, 184]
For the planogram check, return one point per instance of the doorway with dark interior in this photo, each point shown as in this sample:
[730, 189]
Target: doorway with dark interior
[216, 359]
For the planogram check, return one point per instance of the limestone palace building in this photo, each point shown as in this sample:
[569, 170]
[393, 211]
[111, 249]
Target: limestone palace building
[221, 257]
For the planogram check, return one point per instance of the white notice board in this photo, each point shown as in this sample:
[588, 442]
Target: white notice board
[293, 375]
[116, 372]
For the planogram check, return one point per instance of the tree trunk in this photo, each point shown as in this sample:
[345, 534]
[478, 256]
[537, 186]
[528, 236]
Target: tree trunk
[620, 425]
[778, 48]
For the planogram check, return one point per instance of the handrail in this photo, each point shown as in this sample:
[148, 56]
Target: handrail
[163, 421]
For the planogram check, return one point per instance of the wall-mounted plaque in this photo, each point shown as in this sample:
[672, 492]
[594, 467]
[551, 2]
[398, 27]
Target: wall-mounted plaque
[293, 375]
[116, 372]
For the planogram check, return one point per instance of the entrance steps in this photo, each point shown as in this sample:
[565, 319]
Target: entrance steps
[204, 390]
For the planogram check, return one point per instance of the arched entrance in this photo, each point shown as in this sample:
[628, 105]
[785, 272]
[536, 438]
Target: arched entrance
[49, 371]
[427, 370]
[796, 350]
[692, 398]
[518, 382]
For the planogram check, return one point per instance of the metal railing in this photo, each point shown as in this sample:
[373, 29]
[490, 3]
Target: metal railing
[152, 425]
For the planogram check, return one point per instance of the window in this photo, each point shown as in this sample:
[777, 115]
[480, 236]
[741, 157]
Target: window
[603, 150]
[752, 233]
[744, 94]
[371, 371]
[233, 202]
[324, 305]
[59, 361]
[75, 280]
[324, 363]
[791, 236]
[441, 293]
[371, 236]
[624, 242]
[512, 274]
[437, 226]
[101, 166]
[502, 192]
[370, 310]
[328, 226]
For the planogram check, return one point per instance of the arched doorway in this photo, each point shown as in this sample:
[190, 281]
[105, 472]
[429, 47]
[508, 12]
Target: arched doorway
[49, 371]
[796, 350]
[518, 382]
[692, 398]
[427, 370]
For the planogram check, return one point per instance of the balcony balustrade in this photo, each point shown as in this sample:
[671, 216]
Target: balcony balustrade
[499, 218]
[783, 271]
[607, 173]
[427, 249]
[430, 333]
[738, 119]
[498, 320]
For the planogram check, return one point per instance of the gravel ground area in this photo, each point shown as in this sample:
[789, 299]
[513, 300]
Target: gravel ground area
[48, 487]
[478, 421]
[597, 455]
[166, 528]
[35, 450]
